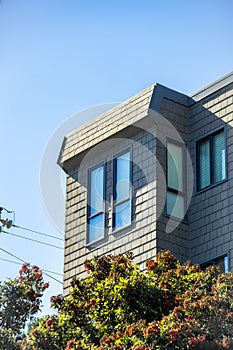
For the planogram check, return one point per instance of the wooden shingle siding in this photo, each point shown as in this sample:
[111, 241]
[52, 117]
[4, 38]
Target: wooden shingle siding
[206, 232]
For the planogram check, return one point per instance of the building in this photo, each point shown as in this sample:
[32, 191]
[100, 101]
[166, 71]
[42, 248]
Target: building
[153, 173]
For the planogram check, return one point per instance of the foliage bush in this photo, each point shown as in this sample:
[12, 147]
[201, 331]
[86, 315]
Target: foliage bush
[170, 306]
[20, 300]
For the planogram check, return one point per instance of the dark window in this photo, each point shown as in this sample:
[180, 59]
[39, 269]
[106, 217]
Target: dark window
[175, 202]
[95, 208]
[211, 160]
[122, 191]
[221, 261]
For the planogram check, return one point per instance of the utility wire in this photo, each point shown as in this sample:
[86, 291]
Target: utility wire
[10, 223]
[45, 273]
[32, 240]
[18, 263]
[14, 256]
[55, 279]
[38, 232]
[11, 261]
[55, 273]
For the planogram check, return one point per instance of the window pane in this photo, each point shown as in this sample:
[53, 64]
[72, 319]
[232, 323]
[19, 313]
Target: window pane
[122, 177]
[222, 262]
[175, 205]
[204, 164]
[96, 228]
[219, 157]
[226, 264]
[97, 190]
[175, 166]
[122, 214]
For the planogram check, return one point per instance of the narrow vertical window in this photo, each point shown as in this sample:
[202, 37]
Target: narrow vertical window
[219, 158]
[175, 203]
[96, 218]
[122, 191]
[211, 160]
[204, 161]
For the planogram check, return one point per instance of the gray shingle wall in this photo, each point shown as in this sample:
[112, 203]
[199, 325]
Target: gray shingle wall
[211, 211]
[209, 230]
[177, 240]
[140, 238]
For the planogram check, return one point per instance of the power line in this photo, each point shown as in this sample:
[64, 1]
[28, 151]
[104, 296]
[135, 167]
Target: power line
[55, 273]
[11, 261]
[38, 232]
[10, 223]
[32, 240]
[18, 263]
[45, 273]
[14, 256]
[29, 239]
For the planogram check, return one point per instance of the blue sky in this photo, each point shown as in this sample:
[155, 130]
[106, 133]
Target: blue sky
[59, 57]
